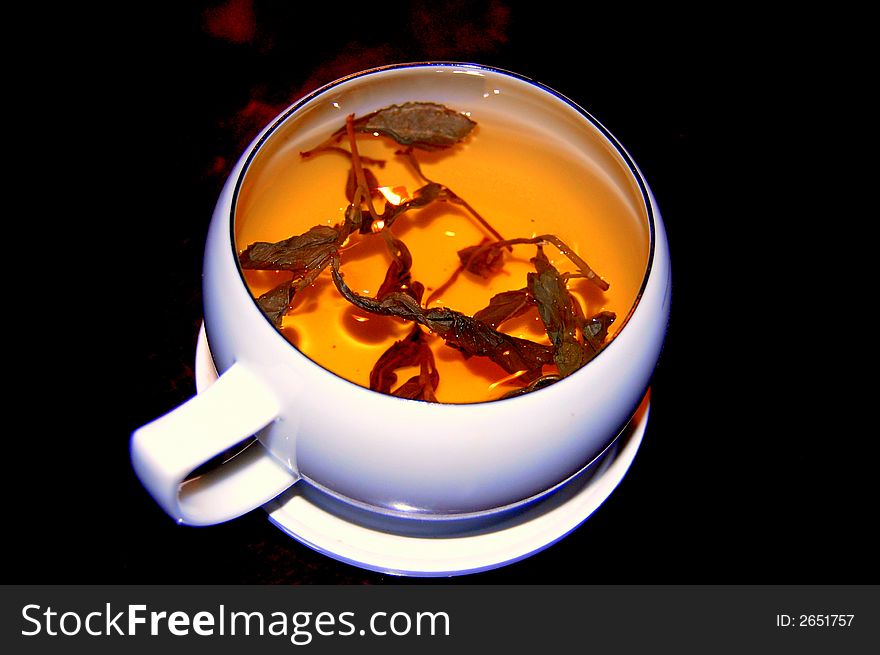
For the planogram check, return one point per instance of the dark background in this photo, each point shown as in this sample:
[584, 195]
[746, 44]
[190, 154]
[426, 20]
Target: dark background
[143, 110]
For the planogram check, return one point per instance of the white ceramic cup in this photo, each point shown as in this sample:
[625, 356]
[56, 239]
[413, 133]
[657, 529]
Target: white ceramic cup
[358, 444]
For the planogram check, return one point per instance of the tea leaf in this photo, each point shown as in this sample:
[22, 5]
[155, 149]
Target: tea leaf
[540, 383]
[393, 304]
[300, 254]
[475, 338]
[425, 125]
[595, 329]
[398, 278]
[481, 261]
[556, 307]
[504, 306]
[275, 303]
[411, 351]
[421, 386]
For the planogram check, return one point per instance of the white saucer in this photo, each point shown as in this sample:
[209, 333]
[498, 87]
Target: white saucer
[443, 548]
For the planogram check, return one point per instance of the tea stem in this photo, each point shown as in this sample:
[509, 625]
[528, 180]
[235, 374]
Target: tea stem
[358, 168]
[447, 192]
[439, 291]
[342, 151]
[327, 144]
[452, 278]
[584, 268]
[393, 249]
[458, 200]
[411, 158]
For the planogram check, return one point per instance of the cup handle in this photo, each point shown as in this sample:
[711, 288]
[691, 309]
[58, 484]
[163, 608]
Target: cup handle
[166, 450]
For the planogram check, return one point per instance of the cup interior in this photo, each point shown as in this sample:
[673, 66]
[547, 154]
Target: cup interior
[579, 154]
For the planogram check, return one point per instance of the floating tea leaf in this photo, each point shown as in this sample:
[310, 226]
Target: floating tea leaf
[398, 279]
[275, 302]
[421, 386]
[424, 125]
[396, 304]
[540, 383]
[475, 338]
[504, 306]
[411, 351]
[556, 307]
[481, 261]
[299, 254]
[595, 329]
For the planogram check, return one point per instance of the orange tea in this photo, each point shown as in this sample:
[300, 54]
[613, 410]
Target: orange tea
[522, 183]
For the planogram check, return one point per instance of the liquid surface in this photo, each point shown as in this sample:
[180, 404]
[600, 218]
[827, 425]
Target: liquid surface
[523, 186]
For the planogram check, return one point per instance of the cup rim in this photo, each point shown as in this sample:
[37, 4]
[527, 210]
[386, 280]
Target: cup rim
[646, 201]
